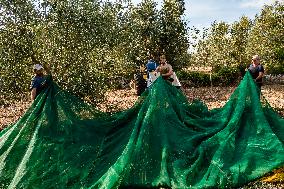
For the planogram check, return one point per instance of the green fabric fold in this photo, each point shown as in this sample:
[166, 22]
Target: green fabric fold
[162, 141]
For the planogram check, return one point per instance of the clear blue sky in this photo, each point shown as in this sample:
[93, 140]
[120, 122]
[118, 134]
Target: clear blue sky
[201, 13]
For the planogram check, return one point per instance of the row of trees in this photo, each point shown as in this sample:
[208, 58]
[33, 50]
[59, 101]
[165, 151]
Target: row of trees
[88, 43]
[91, 44]
[233, 45]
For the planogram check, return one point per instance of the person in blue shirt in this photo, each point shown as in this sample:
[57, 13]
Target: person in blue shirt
[257, 71]
[39, 80]
[151, 67]
[151, 64]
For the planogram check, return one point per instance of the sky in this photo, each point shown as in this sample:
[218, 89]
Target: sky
[201, 13]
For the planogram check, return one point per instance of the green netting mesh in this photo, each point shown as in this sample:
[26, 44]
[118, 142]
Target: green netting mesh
[163, 140]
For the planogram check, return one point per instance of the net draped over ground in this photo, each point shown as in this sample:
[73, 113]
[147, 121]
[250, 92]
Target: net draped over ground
[163, 140]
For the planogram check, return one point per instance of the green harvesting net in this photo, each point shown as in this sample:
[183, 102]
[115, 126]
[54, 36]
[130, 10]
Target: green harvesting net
[162, 141]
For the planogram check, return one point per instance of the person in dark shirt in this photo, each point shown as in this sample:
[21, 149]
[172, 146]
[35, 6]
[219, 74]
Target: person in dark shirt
[39, 80]
[256, 70]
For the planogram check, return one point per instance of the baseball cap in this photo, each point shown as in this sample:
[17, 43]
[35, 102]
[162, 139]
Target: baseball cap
[38, 67]
[255, 57]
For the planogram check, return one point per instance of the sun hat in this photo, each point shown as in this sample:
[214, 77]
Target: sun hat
[38, 67]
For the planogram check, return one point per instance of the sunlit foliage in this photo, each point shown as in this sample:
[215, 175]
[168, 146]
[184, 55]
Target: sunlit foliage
[91, 46]
[232, 45]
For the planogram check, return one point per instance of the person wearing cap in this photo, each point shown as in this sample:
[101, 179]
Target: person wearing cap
[151, 67]
[39, 80]
[256, 70]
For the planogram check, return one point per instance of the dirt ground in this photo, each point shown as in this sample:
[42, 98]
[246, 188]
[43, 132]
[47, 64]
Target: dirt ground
[122, 99]
[214, 97]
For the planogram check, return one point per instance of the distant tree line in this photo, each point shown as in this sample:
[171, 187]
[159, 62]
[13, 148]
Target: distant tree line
[91, 45]
[232, 45]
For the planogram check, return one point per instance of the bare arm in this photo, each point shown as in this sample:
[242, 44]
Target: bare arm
[170, 72]
[33, 94]
[157, 69]
[260, 75]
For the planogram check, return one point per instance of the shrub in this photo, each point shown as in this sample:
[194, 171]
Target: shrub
[222, 77]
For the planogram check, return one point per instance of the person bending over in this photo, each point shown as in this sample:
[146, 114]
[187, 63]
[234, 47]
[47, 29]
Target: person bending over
[165, 69]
